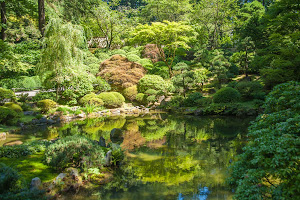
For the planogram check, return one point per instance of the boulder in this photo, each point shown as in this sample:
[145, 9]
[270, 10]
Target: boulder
[108, 158]
[73, 172]
[102, 142]
[35, 183]
[43, 120]
[116, 135]
[3, 136]
[60, 177]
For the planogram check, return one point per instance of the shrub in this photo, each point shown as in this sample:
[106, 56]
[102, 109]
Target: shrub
[102, 56]
[10, 179]
[8, 116]
[23, 149]
[152, 82]
[141, 98]
[74, 150]
[146, 63]
[175, 102]
[44, 95]
[7, 94]
[151, 98]
[112, 99]
[69, 97]
[282, 97]
[100, 85]
[14, 107]
[46, 104]
[30, 83]
[130, 93]
[226, 95]
[250, 90]
[118, 52]
[192, 99]
[133, 57]
[91, 99]
[205, 101]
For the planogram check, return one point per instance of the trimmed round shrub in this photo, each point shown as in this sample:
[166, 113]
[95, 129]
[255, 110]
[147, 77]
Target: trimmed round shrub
[141, 98]
[205, 101]
[118, 52]
[226, 95]
[133, 57]
[44, 95]
[14, 107]
[74, 150]
[192, 99]
[250, 90]
[46, 104]
[112, 99]
[91, 99]
[130, 93]
[7, 94]
[146, 63]
[102, 56]
[151, 98]
[10, 179]
[8, 116]
[152, 82]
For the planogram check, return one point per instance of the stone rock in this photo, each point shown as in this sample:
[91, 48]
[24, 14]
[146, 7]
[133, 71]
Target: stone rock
[82, 115]
[102, 142]
[136, 111]
[51, 121]
[60, 177]
[35, 183]
[3, 136]
[108, 158]
[28, 112]
[73, 172]
[12, 143]
[116, 135]
[34, 121]
[43, 120]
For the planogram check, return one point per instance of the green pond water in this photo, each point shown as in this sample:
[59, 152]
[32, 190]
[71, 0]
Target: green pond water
[167, 156]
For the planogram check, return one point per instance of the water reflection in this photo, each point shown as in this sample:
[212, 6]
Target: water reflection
[167, 157]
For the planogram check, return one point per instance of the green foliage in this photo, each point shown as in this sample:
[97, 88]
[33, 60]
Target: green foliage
[14, 106]
[283, 96]
[268, 166]
[133, 58]
[204, 101]
[192, 99]
[100, 85]
[44, 95]
[226, 95]
[8, 116]
[76, 151]
[10, 180]
[22, 82]
[152, 82]
[91, 99]
[46, 104]
[130, 93]
[112, 99]
[141, 98]
[23, 149]
[250, 90]
[146, 63]
[7, 94]
[101, 55]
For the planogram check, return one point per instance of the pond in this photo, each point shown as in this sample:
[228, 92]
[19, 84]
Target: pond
[167, 156]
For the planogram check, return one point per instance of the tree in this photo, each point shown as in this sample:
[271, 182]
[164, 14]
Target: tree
[213, 20]
[108, 22]
[168, 35]
[41, 5]
[268, 168]
[171, 10]
[245, 55]
[185, 79]
[61, 57]
[3, 19]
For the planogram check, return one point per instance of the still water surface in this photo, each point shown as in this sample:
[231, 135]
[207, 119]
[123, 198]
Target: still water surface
[167, 157]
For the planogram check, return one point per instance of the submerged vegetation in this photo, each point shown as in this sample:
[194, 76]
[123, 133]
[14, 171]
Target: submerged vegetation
[106, 61]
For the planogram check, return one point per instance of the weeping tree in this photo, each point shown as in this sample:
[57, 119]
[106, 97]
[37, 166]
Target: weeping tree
[61, 57]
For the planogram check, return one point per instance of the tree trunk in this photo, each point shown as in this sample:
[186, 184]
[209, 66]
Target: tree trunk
[41, 5]
[3, 20]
